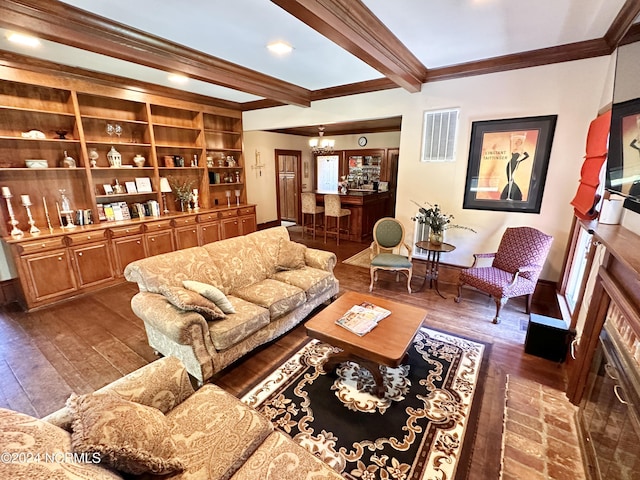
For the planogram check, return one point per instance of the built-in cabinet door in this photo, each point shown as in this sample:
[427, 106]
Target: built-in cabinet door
[247, 224]
[186, 237]
[159, 242]
[230, 227]
[93, 264]
[209, 232]
[50, 274]
[127, 250]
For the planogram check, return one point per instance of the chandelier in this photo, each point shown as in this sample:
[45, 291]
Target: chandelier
[321, 145]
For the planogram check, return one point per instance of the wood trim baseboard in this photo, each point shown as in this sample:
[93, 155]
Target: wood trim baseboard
[9, 291]
[271, 224]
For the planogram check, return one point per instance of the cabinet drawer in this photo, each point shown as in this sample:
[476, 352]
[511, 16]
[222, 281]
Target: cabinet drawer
[118, 232]
[229, 213]
[247, 210]
[158, 226]
[41, 245]
[85, 237]
[207, 217]
[179, 222]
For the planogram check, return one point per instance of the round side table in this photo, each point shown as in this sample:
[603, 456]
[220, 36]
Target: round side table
[433, 262]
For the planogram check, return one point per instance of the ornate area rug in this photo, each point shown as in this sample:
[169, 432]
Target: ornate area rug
[360, 259]
[422, 429]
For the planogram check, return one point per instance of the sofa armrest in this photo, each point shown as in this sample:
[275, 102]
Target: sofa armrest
[321, 259]
[174, 323]
[162, 384]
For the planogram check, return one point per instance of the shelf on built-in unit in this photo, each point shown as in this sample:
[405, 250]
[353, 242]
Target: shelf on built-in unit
[225, 184]
[182, 127]
[37, 110]
[232, 132]
[225, 168]
[102, 197]
[114, 120]
[25, 139]
[115, 145]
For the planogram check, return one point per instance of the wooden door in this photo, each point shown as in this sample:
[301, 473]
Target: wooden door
[209, 232]
[186, 237]
[289, 186]
[230, 227]
[127, 250]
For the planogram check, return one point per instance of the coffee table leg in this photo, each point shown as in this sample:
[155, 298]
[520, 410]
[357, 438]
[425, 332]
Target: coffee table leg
[335, 359]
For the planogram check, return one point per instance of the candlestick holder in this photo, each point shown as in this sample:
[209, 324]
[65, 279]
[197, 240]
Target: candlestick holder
[15, 231]
[237, 197]
[228, 195]
[26, 203]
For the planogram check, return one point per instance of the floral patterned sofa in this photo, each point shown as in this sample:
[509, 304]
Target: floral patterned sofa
[271, 283]
[211, 434]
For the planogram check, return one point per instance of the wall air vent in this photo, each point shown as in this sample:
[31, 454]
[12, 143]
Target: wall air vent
[439, 135]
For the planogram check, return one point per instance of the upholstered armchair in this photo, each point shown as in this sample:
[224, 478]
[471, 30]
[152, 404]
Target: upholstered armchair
[515, 268]
[388, 237]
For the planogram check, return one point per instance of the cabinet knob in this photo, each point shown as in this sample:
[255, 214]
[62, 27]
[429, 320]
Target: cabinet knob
[153, 239]
[80, 254]
[59, 259]
[88, 237]
[127, 230]
[138, 242]
[44, 245]
[193, 231]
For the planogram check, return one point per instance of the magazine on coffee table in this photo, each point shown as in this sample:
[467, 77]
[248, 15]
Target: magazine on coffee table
[361, 319]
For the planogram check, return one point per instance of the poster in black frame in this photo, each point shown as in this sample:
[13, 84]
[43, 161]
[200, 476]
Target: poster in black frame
[508, 161]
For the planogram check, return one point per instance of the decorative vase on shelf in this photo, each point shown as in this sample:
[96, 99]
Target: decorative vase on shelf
[436, 237]
[114, 157]
[139, 160]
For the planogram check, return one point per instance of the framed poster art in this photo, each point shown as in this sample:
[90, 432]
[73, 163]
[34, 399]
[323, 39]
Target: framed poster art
[508, 162]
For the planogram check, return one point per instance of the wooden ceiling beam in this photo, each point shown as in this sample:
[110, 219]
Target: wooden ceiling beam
[621, 24]
[352, 26]
[71, 26]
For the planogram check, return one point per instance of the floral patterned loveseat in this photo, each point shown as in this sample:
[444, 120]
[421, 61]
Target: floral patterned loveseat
[212, 435]
[268, 298]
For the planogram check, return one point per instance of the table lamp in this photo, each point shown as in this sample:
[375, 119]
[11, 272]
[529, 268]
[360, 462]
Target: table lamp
[164, 188]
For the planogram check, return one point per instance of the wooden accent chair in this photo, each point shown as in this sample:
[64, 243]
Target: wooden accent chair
[515, 268]
[309, 207]
[388, 237]
[333, 208]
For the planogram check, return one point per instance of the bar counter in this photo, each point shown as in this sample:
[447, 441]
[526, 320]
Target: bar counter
[367, 207]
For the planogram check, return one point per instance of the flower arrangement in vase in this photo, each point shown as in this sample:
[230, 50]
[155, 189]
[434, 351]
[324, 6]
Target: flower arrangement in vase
[182, 190]
[437, 221]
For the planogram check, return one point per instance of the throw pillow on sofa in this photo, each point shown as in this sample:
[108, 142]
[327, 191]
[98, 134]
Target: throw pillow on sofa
[290, 255]
[187, 300]
[210, 292]
[128, 436]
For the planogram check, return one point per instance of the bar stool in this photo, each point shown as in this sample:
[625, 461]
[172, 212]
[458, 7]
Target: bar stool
[333, 208]
[309, 207]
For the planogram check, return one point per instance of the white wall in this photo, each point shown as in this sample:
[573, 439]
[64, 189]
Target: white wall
[572, 90]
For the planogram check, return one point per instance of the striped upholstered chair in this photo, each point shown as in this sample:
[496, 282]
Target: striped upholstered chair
[388, 238]
[515, 268]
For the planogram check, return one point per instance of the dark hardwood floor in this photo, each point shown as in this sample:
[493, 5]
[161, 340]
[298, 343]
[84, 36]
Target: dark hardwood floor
[84, 343]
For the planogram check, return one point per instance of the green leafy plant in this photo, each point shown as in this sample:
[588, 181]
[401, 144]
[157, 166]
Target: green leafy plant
[181, 188]
[437, 220]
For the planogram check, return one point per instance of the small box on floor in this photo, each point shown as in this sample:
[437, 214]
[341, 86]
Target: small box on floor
[547, 338]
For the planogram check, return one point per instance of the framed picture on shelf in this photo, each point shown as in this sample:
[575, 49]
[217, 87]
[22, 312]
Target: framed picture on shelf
[143, 184]
[508, 162]
[108, 189]
[131, 187]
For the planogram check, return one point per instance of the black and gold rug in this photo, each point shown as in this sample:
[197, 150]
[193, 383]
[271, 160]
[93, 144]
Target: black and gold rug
[422, 429]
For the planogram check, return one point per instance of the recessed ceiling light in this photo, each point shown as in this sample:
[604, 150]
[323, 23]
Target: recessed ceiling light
[280, 48]
[176, 78]
[21, 39]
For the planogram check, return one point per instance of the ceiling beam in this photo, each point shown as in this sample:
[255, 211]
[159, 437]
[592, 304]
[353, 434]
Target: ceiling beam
[622, 23]
[65, 24]
[352, 26]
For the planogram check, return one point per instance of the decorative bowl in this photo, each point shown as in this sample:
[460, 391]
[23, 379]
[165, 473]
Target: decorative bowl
[36, 163]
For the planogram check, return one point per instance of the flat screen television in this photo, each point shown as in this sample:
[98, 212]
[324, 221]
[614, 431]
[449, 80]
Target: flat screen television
[623, 162]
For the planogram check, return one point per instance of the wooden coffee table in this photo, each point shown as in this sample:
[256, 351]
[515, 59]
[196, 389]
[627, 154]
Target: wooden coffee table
[386, 344]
